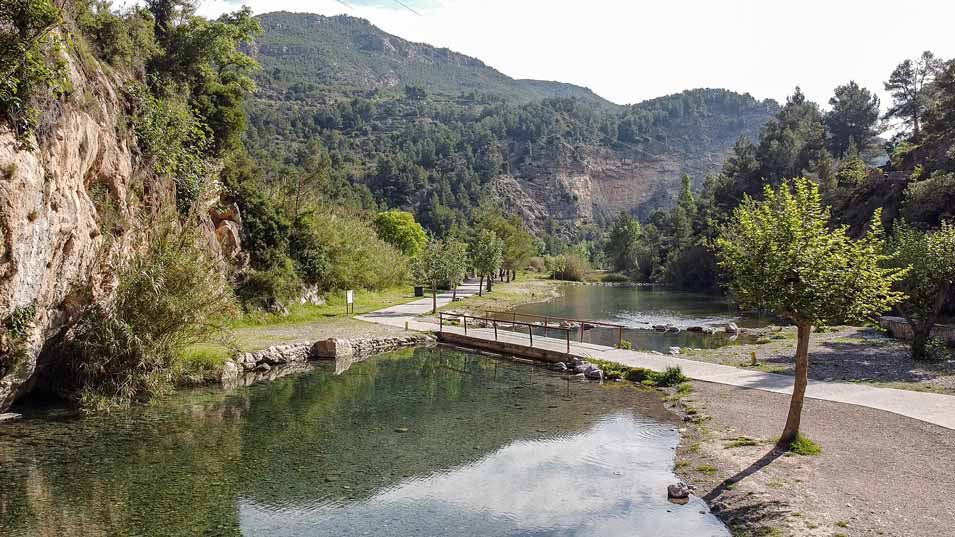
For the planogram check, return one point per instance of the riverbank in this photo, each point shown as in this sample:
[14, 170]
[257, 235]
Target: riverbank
[307, 323]
[840, 354]
[877, 474]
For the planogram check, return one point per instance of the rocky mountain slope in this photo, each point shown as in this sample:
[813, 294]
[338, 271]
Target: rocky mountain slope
[557, 154]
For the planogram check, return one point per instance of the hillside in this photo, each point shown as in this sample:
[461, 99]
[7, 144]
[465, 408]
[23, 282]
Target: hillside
[427, 129]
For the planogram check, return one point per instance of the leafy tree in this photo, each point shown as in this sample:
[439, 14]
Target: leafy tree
[399, 229]
[29, 66]
[939, 130]
[930, 282]
[430, 267]
[622, 243]
[781, 256]
[457, 264]
[487, 254]
[852, 119]
[910, 84]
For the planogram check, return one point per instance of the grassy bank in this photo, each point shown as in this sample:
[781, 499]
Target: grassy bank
[528, 288]
[304, 322]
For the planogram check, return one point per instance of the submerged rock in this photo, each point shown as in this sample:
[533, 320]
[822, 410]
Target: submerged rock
[731, 328]
[675, 350]
[594, 373]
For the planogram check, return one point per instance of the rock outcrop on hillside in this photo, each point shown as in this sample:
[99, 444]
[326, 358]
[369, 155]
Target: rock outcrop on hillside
[71, 208]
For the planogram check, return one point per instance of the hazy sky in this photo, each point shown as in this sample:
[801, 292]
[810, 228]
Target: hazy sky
[631, 50]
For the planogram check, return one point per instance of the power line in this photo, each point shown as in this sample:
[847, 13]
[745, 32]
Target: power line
[346, 5]
[404, 5]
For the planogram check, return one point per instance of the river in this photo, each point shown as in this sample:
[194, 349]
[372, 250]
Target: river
[424, 442]
[639, 308]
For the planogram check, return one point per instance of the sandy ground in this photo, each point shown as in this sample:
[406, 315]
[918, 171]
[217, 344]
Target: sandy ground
[878, 473]
[848, 354]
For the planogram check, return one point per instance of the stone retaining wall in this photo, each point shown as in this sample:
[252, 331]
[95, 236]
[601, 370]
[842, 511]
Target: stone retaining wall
[274, 362]
[901, 329]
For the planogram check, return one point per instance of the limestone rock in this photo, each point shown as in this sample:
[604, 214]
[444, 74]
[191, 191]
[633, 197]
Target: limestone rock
[332, 348]
[678, 491]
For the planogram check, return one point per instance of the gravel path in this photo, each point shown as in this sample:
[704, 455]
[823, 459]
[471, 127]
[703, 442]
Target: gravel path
[878, 473]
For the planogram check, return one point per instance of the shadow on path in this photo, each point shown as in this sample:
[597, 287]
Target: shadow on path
[727, 483]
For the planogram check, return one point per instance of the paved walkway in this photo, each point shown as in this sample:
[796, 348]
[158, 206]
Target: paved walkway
[933, 408]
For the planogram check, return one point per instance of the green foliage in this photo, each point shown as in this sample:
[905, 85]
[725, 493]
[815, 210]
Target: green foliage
[399, 229]
[910, 86]
[852, 172]
[622, 244]
[931, 201]
[435, 265]
[570, 266]
[170, 295]
[613, 277]
[929, 282]
[670, 377]
[486, 252]
[804, 446]
[270, 289]
[30, 66]
[19, 321]
[937, 350]
[781, 256]
[124, 40]
[852, 120]
[177, 141]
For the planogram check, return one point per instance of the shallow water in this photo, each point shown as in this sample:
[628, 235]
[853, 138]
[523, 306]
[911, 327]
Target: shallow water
[415, 443]
[639, 308]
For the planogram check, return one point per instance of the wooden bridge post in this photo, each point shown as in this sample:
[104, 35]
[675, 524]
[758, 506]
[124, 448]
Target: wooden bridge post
[464, 319]
[530, 333]
[568, 342]
[495, 329]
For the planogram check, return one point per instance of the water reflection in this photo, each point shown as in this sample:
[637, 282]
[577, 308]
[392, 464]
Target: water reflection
[605, 481]
[424, 442]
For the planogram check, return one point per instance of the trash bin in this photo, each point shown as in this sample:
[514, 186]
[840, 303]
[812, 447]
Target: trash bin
[419, 290]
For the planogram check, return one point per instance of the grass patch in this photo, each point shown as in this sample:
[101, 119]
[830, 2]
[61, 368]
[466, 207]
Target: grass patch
[775, 484]
[804, 446]
[673, 376]
[706, 469]
[843, 523]
[741, 441]
[334, 307]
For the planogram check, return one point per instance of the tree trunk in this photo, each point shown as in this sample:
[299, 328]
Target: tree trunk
[454, 293]
[791, 431]
[481, 286]
[434, 299]
[921, 333]
[489, 278]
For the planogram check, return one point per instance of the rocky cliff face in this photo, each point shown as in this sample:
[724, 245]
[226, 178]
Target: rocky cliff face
[565, 188]
[70, 210]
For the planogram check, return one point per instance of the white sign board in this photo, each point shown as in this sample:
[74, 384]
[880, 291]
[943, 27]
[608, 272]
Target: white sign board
[350, 296]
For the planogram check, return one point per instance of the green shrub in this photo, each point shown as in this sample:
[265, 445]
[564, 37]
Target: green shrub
[936, 349]
[357, 258]
[672, 376]
[570, 267]
[615, 277]
[170, 295]
[270, 289]
[536, 264]
[625, 345]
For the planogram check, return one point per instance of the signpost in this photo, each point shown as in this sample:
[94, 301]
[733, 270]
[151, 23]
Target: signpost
[349, 301]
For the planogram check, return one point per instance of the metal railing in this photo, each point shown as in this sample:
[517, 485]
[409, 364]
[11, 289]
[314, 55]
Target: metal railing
[584, 324]
[464, 318]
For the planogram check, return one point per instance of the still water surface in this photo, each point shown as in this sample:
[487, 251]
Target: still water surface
[425, 442]
[639, 308]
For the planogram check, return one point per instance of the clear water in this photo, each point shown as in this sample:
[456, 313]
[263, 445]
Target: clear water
[429, 442]
[639, 308]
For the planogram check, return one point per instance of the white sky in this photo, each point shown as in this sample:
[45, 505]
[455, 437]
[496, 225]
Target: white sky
[631, 50]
